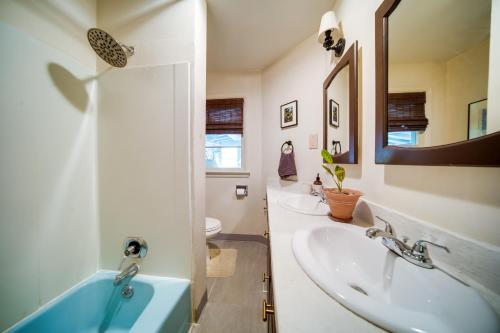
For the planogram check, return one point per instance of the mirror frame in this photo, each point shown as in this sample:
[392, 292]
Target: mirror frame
[482, 151]
[350, 58]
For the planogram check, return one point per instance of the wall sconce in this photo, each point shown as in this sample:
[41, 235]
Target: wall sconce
[330, 26]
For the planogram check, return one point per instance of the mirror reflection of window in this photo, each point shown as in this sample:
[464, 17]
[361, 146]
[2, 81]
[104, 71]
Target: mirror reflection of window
[406, 113]
[442, 49]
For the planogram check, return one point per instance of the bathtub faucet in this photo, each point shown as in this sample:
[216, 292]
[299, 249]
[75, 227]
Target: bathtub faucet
[131, 271]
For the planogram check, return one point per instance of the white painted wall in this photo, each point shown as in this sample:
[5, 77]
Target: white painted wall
[493, 114]
[198, 153]
[299, 75]
[466, 82]
[461, 199]
[48, 214]
[240, 216]
[165, 32]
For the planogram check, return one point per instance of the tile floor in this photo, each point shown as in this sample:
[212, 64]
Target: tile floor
[234, 303]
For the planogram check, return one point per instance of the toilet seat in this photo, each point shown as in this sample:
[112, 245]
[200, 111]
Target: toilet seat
[212, 227]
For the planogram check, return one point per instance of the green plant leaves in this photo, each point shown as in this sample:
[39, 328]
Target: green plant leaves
[327, 169]
[326, 156]
[340, 173]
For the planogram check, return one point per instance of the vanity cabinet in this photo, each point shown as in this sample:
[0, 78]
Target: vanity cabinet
[268, 311]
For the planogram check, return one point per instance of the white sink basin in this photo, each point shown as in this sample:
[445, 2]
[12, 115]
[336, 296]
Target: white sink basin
[305, 204]
[367, 278]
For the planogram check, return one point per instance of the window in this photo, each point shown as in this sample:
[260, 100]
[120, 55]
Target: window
[224, 134]
[223, 151]
[406, 138]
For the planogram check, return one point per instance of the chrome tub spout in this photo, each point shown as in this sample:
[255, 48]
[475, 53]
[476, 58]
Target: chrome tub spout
[130, 271]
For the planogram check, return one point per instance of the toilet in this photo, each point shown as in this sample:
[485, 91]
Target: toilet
[212, 227]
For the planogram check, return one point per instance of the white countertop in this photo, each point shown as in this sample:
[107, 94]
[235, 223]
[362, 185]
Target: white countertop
[300, 305]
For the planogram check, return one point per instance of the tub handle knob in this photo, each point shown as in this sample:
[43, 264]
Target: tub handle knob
[135, 247]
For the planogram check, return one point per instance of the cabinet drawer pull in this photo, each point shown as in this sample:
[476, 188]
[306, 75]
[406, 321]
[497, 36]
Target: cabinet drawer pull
[265, 277]
[266, 233]
[266, 309]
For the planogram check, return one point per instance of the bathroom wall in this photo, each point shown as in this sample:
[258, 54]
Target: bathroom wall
[48, 211]
[299, 75]
[493, 114]
[461, 199]
[198, 156]
[165, 32]
[60, 24]
[240, 216]
[143, 143]
[466, 82]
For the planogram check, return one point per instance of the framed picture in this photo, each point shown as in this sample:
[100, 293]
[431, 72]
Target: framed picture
[333, 113]
[289, 114]
[476, 123]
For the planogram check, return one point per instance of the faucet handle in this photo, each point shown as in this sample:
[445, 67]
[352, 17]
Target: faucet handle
[420, 247]
[388, 226]
[135, 247]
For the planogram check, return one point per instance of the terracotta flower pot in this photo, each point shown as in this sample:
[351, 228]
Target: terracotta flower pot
[342, 204]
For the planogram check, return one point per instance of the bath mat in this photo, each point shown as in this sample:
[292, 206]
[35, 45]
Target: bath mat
[222, 262]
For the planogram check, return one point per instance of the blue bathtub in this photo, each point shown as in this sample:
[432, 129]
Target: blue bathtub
[96, 305]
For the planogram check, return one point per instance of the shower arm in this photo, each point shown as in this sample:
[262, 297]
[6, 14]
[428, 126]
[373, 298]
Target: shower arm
[129, 50]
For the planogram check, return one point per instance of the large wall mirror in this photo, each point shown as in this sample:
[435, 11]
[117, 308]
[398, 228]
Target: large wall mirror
[340, 109]
[438, 82]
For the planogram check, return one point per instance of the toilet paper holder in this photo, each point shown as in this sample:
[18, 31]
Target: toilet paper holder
[241, 191]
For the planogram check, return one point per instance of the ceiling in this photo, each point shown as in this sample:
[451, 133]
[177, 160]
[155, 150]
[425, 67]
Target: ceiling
[249, 35]
[430, 30]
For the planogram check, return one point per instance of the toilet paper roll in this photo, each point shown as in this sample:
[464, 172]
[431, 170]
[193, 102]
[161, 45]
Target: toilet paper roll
[240, 191]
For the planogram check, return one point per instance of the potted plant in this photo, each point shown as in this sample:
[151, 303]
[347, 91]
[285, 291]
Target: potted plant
[342, 201]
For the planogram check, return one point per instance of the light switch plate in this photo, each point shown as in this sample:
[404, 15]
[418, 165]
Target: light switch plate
[313, 141]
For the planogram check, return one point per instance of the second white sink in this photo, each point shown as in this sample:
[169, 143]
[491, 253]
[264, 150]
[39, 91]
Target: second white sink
[367, 278]
[305, 204]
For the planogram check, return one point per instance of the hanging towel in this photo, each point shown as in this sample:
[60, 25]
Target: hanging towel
[287, 165]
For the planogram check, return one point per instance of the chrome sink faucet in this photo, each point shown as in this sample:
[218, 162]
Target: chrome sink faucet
[130, 271]
[322, 197]
[416, 254]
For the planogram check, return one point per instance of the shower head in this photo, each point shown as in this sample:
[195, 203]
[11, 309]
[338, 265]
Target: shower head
[108, 48]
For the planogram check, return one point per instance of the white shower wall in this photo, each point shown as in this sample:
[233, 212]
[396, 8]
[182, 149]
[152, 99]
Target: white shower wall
[165, 32]
[143, 166]
[48, 215]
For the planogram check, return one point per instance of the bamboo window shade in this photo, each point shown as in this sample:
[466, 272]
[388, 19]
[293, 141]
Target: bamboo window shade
[406, 112]
[224, 116]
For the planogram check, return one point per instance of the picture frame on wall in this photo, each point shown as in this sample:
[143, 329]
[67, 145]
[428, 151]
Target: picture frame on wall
[333, 114]
[289, 114]
[477, 119]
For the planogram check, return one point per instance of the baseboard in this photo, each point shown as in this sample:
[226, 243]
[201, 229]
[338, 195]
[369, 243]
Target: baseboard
[200, 307]
[242, 238]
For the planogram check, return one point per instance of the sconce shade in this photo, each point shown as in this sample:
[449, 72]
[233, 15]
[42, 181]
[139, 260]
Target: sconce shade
[329, 21]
